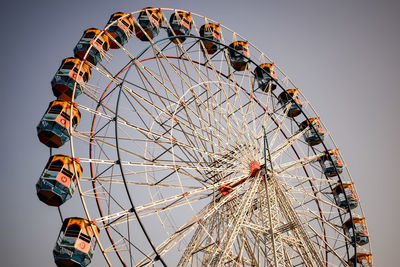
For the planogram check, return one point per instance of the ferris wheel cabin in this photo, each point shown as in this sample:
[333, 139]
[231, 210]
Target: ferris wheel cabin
[265, 75]
[345, 196]
[363, 260]
[360, 233]
[121, 29]
[149, 23]
[67, 75]
[75, 243]
[290, 102]
[181, 24]
[57, 182]
[314, 135]
[239, 55]
[53, 128]
[94, 43]
[331, 163]
[212, 33]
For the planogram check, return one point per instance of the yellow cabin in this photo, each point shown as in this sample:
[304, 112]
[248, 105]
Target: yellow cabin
[75, 243]
[265, 76]
[121, 29]
[211, 34]
[92, 45]
[68, 74]
[315, 134]
[356, 229]
[290, 102]
[345, 195]
[181, 24]
[149, 23]
[57, 183]
[331, 163]
[53, 128]
[239, 55]
[363, 260]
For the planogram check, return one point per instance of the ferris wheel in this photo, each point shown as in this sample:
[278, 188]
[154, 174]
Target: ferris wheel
[194, 149]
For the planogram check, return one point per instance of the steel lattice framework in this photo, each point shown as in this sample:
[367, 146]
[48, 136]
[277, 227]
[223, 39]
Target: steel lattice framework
[167, 141]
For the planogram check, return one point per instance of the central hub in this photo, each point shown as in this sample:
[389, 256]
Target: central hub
[254, 168]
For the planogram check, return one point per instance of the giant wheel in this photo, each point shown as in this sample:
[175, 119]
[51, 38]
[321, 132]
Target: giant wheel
[199, 151]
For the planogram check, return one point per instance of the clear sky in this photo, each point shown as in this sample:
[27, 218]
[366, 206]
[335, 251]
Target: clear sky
[343, 54]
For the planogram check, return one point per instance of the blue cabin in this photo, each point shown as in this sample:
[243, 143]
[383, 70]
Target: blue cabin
[53, 128]
[345, 195]
[212, 36]
[331, 163]
[181, 24]
[94, 43]
[149, 22]
[69, 73]
[239, 55]
[265, 76]
[75, 243]
[356, 229]
[57, 183]
[314, 134]
[290, 102]
[121, 29]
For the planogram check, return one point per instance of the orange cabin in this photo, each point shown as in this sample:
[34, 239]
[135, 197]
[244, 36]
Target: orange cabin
[290, 102]
[121, 28]
[56, 185]
[315, 134]
[265, 76]
[181, 24]
[363, 260]
[212, 35]
[92, 46]
[239, 55]
[149, 23]
[345, 195]
[53, 128]
[71, 71]
[356, 230]
[75, 243]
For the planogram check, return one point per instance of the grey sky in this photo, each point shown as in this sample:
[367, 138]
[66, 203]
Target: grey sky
[343, 55]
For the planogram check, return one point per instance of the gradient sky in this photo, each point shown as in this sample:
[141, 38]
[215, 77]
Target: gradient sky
[343, 54]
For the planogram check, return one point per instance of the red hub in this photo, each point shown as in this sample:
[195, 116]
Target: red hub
[227, 189]
[254, 167]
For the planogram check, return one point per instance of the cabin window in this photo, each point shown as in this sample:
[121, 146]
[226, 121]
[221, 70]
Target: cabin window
[67, 173]
[89, 35]
[69, 65]
[56, 109]
[65, 115]
[125, 23]
[99, 41]
[185, 21]
[85, 238]
[73, 231]
[56, 165]
[116, 17]
[155, 16]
